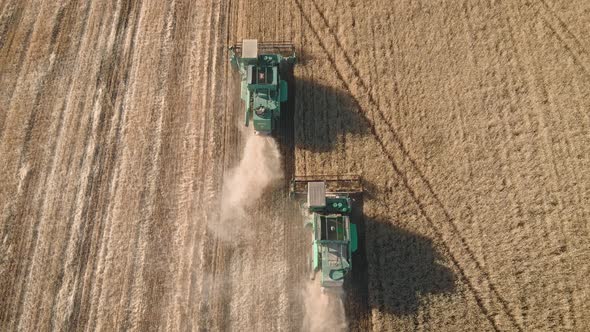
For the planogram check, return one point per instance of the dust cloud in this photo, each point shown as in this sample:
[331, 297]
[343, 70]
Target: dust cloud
[258, 169]
[324, 309]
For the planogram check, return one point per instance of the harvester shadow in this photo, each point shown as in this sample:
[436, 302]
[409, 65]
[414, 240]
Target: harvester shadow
[323, 115]
[404, 267]
[303, 57]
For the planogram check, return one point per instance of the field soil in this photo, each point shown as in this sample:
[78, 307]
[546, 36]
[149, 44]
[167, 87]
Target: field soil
[121, 125]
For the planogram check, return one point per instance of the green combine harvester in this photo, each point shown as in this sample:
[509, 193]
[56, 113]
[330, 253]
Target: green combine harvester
[262, 89]
[334, 237]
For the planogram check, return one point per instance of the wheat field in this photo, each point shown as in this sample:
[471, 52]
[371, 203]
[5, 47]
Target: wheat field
[120, 122]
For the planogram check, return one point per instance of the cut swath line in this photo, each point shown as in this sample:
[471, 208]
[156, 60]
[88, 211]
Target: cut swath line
[104, 177]
[564, 26]
[204, 132]
[104, 241]
[31, 125]
[559, 28]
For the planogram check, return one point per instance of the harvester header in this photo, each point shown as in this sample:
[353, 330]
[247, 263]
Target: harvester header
[250, 48]
[334, 184]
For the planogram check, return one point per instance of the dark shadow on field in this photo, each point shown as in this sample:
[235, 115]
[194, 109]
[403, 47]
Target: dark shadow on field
[303, 57]
[356, 301]
[405, 266]
[315, 117]
[323, 114]
[286, 134]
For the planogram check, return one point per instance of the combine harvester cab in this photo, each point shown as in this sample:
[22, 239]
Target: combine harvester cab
[262, 89]
[334, 237]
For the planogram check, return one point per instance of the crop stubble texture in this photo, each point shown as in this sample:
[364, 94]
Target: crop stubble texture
[468, 121]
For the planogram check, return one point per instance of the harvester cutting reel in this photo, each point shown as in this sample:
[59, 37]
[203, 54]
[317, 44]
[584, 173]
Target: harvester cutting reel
[250, 49]
[335, 184]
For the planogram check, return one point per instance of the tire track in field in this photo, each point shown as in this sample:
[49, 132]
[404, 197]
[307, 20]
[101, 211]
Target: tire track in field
[581, 107]
[137, 300]
[569, 172]
[91, 201]
[562, 24]
[23, 67]
[20, 55]
[113, 136]
[57, 150]
[8, 18]
[87, 147]
[32, 127]
[575, 295]
[505, 117]
[468, 166]
[50, 170]
[378, 287]
[122, 264]
[192, 182]
[454, 228]
[222, 283]
[95, 206]
[104, 238]
[579, 45]
[204, 86]
[556, 25]
[78, 206]
[493, 287]
[570, 42]
[43, 81]
[545, 99]
[200, 240]
[10, 204]
[508, 116]
[522, 72]
[548, 155]
[553, 152]
[467, 27]
[383, 147]
[9, 14]
[213, 302]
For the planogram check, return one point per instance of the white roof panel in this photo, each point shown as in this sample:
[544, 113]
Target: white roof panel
[316, 194]
[250, 48]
